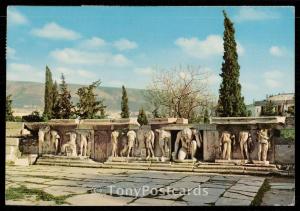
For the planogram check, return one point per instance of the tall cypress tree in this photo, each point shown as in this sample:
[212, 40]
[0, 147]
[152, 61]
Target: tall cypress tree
[55, 103]
[65, 104]
[48, 98]
[124, 104]
[230, 103]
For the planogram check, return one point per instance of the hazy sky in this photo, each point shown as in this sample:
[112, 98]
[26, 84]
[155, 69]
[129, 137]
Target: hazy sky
[125, 45]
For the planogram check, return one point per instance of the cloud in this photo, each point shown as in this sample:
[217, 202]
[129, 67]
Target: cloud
[74, 75]
[144, 71]
[24, 72]
[74, 56]
[55, 32]
[273, 78]
[211, 46]
[124, 44]
[276, 51]
[10, 53]
[14, 17]
[254, 14]
[93, 43]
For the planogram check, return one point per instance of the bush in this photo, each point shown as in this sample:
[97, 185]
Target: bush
[288, 134]
[33, 117]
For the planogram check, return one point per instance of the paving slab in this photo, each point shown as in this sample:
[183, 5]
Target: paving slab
[64, 190]
[196, 178]
[278, 198]
[247, 188]
[151, 202]
[200, 200]
[223, 201]
[96, 199]
[237, 196]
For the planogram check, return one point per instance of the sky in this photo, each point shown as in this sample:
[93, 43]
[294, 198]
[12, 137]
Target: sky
[126, 45]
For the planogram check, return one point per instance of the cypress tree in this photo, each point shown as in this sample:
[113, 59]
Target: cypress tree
[88, 106]
[269, 109]
[124, 104]
[230, 103]
[65, 104]
[142, 117]
[55, 103]
[8, 109]
[48, 98]
[206, 116]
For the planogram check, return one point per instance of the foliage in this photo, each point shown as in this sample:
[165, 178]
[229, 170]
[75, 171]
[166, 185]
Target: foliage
[88, 106]
[8, 109]
[249, 113]
[64, 107]
[288, 134]
[34, 117]
[124, 104]
[181, 92]
[269, 109]
[206, 116]
[291, 110]
[22, 192]
[142, 117]
[55, 102]
[48, 96]
[231, 103]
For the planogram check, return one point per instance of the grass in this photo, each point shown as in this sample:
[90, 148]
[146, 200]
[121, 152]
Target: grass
[258, 198]
[22, 192]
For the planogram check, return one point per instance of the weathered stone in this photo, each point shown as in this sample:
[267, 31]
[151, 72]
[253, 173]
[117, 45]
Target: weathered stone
[285, 154]
[232, 202]
[63, 182]
[200, 200]
[170, 196]
[12, 132]
[237, 196]
[151, 202]
[196, 178]
[247, 188]
[96, 199]
[12, 141]
[282, 186]
[64, 190]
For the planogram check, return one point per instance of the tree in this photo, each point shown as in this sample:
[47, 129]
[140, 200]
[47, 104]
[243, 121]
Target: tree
[269, 109]
[231, 103]
[8, 109]
[33, 117]
[88, 106]
[64, 103]
[142, 117]
[124, 104]
[206, 116]
[48, 96]
[179, 92]
[55, 102]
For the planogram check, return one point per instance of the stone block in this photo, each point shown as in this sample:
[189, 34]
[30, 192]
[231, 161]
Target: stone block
[285, 154]
[182, 121]
[12, 141]
[22, 162]
[223, 201]
[162, 121]
[12, 132]
[14, 125]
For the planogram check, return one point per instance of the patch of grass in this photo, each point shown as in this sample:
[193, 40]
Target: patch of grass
[258, 198]
[22, 192]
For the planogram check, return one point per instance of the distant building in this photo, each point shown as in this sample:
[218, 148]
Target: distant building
[282, 102]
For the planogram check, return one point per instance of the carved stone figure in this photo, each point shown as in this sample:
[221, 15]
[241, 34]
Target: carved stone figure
[188, 145]
[243, 140]
[71, 145]
[225, 141]
[54, 140]
[149, 143]
[131, 136]
[164, 138]
[263, 140]
[83, 144]
[41, 134]
[114, 142]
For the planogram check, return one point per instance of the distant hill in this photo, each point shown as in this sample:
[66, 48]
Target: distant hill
[29, 95]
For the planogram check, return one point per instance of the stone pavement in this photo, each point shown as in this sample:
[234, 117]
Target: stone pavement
[98, 187]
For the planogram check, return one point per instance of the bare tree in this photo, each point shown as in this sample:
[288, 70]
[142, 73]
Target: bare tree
[180, 92]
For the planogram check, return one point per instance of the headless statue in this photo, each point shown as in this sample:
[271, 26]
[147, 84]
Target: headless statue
[263, 146]
[83, 144]
[70, 144]
[225, 141]
[243, 140]
[164, 137]
[114, 142]
[188, 146]
[149, 143]
[131, 136]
